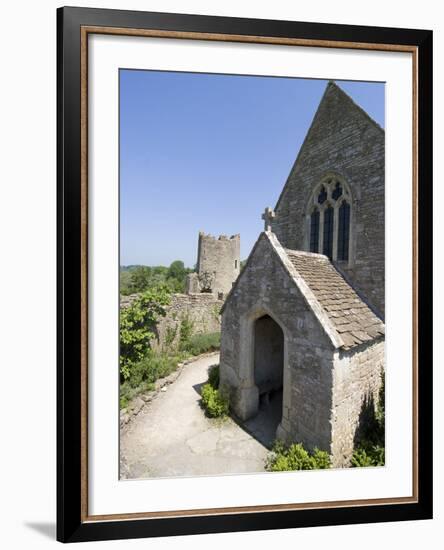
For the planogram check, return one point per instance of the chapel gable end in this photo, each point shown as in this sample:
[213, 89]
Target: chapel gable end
[333, 200]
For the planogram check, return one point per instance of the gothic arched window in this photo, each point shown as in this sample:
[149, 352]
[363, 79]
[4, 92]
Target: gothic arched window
[337, 191]
[329, 219]
[322, 197]
[314, 231]
[328, 232]
[343, 231]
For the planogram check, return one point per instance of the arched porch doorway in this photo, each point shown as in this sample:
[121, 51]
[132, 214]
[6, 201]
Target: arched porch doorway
[268, 355]
[268, 372]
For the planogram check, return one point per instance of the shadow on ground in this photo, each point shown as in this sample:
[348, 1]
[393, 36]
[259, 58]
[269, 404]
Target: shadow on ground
[46, 529]
[264, 425]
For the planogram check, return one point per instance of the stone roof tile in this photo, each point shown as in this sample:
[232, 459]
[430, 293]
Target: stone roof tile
[353, 320]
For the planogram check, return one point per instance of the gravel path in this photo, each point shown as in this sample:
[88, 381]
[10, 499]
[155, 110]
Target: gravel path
[171, 436]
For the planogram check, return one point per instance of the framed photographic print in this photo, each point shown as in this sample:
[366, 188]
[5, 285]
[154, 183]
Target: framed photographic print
[244, 284]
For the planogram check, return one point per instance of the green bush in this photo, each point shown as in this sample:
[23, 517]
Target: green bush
[170, 335]
[186, 331]
[321, 460]
[295, 457]
[215, 401]
[380, 409]
[136, 327]
[213, 376]
[127, 392]
[370, 444]
[217, 312]
[368, 455]
[152, 367]
[201, 343]
[144, 373]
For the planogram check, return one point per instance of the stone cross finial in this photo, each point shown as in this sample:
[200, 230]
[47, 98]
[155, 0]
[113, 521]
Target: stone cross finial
[268, 217]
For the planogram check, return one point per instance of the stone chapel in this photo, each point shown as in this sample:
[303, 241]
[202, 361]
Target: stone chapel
[305, 318]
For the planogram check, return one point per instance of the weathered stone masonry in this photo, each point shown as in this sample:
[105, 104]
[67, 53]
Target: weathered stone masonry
[310, 323]
[332, 349]
[265, 288]
[356, 383]
[343, 141]
[218, 265]
[201, 310]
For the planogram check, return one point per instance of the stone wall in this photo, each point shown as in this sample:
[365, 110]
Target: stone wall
[201, 310]
[219, 261]
[192, 285]
[324, 388]
[265, 288]
[357, 379]
[342, 141]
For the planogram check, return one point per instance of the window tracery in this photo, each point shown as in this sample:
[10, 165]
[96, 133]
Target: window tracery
[330, 219]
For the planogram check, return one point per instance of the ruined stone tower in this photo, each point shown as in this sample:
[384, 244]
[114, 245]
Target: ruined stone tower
[218, 265]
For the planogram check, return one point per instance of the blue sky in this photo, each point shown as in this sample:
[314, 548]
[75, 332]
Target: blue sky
[210, 152]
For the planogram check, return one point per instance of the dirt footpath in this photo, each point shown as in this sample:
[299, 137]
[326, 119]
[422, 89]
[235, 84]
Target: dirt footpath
[171, 436]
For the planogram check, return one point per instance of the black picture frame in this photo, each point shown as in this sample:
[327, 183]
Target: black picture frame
[73, 524]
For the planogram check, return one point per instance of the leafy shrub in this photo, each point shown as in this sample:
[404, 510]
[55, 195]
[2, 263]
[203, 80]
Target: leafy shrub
[170, 335]
[186, 331]
[213, 376]
[202, 343]
[215, 401]
[321, 459]
[144, 373]
[152, 367]
[127, 392]
[368, 455]
[136, 327]
[380, 409]
[217, 312]
[370, 441]
[295, 457]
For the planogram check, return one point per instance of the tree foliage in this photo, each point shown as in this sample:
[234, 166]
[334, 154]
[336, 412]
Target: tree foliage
[139, 278]
[177, 271]
[136, 326]
[125, 282]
